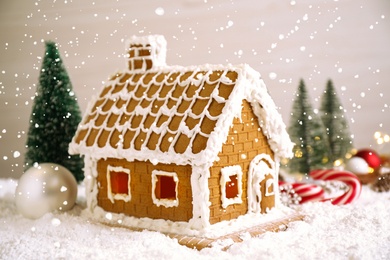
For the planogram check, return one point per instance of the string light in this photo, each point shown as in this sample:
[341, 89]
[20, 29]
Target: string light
[381, 138]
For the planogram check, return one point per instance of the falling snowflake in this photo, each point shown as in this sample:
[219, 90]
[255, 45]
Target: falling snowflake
[159, 11]
[272, 75]
[16, 154]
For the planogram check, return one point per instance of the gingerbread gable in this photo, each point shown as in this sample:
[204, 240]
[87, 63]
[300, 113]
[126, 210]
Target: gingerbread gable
[172, 114]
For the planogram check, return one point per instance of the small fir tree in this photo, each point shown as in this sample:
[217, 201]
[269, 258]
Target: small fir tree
[332, 115]
[306, 130]
[54, 118]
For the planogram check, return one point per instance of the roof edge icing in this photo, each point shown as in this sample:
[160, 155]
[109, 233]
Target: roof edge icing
[248, 86]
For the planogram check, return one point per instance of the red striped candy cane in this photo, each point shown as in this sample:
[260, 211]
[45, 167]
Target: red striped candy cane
[350, 179]
[305, 191]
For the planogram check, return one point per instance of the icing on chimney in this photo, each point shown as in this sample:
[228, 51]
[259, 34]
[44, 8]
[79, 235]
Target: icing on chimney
[146, 52]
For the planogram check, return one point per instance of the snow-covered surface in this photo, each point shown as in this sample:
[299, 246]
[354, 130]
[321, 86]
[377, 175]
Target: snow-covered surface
[356, 231]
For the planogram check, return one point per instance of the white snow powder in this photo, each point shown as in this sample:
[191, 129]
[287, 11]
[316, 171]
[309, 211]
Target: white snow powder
[356, 231]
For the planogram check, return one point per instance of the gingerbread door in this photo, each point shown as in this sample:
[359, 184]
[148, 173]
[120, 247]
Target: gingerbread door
[261, 184]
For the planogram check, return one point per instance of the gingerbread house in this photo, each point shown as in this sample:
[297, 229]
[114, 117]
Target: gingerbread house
[197, 145]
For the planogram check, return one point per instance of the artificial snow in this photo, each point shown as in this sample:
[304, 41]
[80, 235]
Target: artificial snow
[356, 231]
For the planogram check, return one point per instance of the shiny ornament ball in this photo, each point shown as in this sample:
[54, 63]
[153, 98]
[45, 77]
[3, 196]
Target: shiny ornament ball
[370, 156]
[45, 188]
[357, 165]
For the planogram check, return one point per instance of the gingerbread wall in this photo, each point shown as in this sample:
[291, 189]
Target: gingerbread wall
[141, 203]
[245, 141]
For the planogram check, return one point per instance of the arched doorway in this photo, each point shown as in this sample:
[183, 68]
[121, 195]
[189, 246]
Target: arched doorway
[261, 184]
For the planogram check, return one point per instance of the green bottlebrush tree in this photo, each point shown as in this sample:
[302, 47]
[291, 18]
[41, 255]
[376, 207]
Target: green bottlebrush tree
[306, 130]
[54, 118]
[332, 115]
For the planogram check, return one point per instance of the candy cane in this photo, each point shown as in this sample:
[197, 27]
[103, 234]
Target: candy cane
[355, 187]
[306, 192]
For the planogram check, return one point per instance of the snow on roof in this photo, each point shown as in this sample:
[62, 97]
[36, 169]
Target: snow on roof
[172, 114]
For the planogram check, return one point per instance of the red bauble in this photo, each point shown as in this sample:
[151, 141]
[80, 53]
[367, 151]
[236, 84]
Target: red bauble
[370, 156]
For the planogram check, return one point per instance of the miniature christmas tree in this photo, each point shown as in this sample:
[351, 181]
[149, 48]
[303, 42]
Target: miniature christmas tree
[54, 118]
[306, 130]
[332, 115]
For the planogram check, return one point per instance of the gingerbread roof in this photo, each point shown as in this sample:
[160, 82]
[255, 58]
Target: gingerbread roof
[176, 114]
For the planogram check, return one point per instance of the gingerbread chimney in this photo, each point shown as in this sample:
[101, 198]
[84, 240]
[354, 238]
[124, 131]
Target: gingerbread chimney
[147, 52]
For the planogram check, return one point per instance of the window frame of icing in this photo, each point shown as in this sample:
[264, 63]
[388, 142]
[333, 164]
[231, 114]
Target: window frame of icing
[156, 184]
[270, 183]
[226, 173]
[112, 196]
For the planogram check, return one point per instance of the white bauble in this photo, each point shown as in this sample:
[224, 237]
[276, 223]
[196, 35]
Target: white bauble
[45, 188]
[357, 165]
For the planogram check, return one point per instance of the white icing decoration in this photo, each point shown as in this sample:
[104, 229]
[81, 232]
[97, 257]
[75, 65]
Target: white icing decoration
[158, 49]
[248, 86]
[90, 182]
[226, 173]
[258, 169]
[164, 202]
[117, 196]
[269, 187]
[200, 197]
